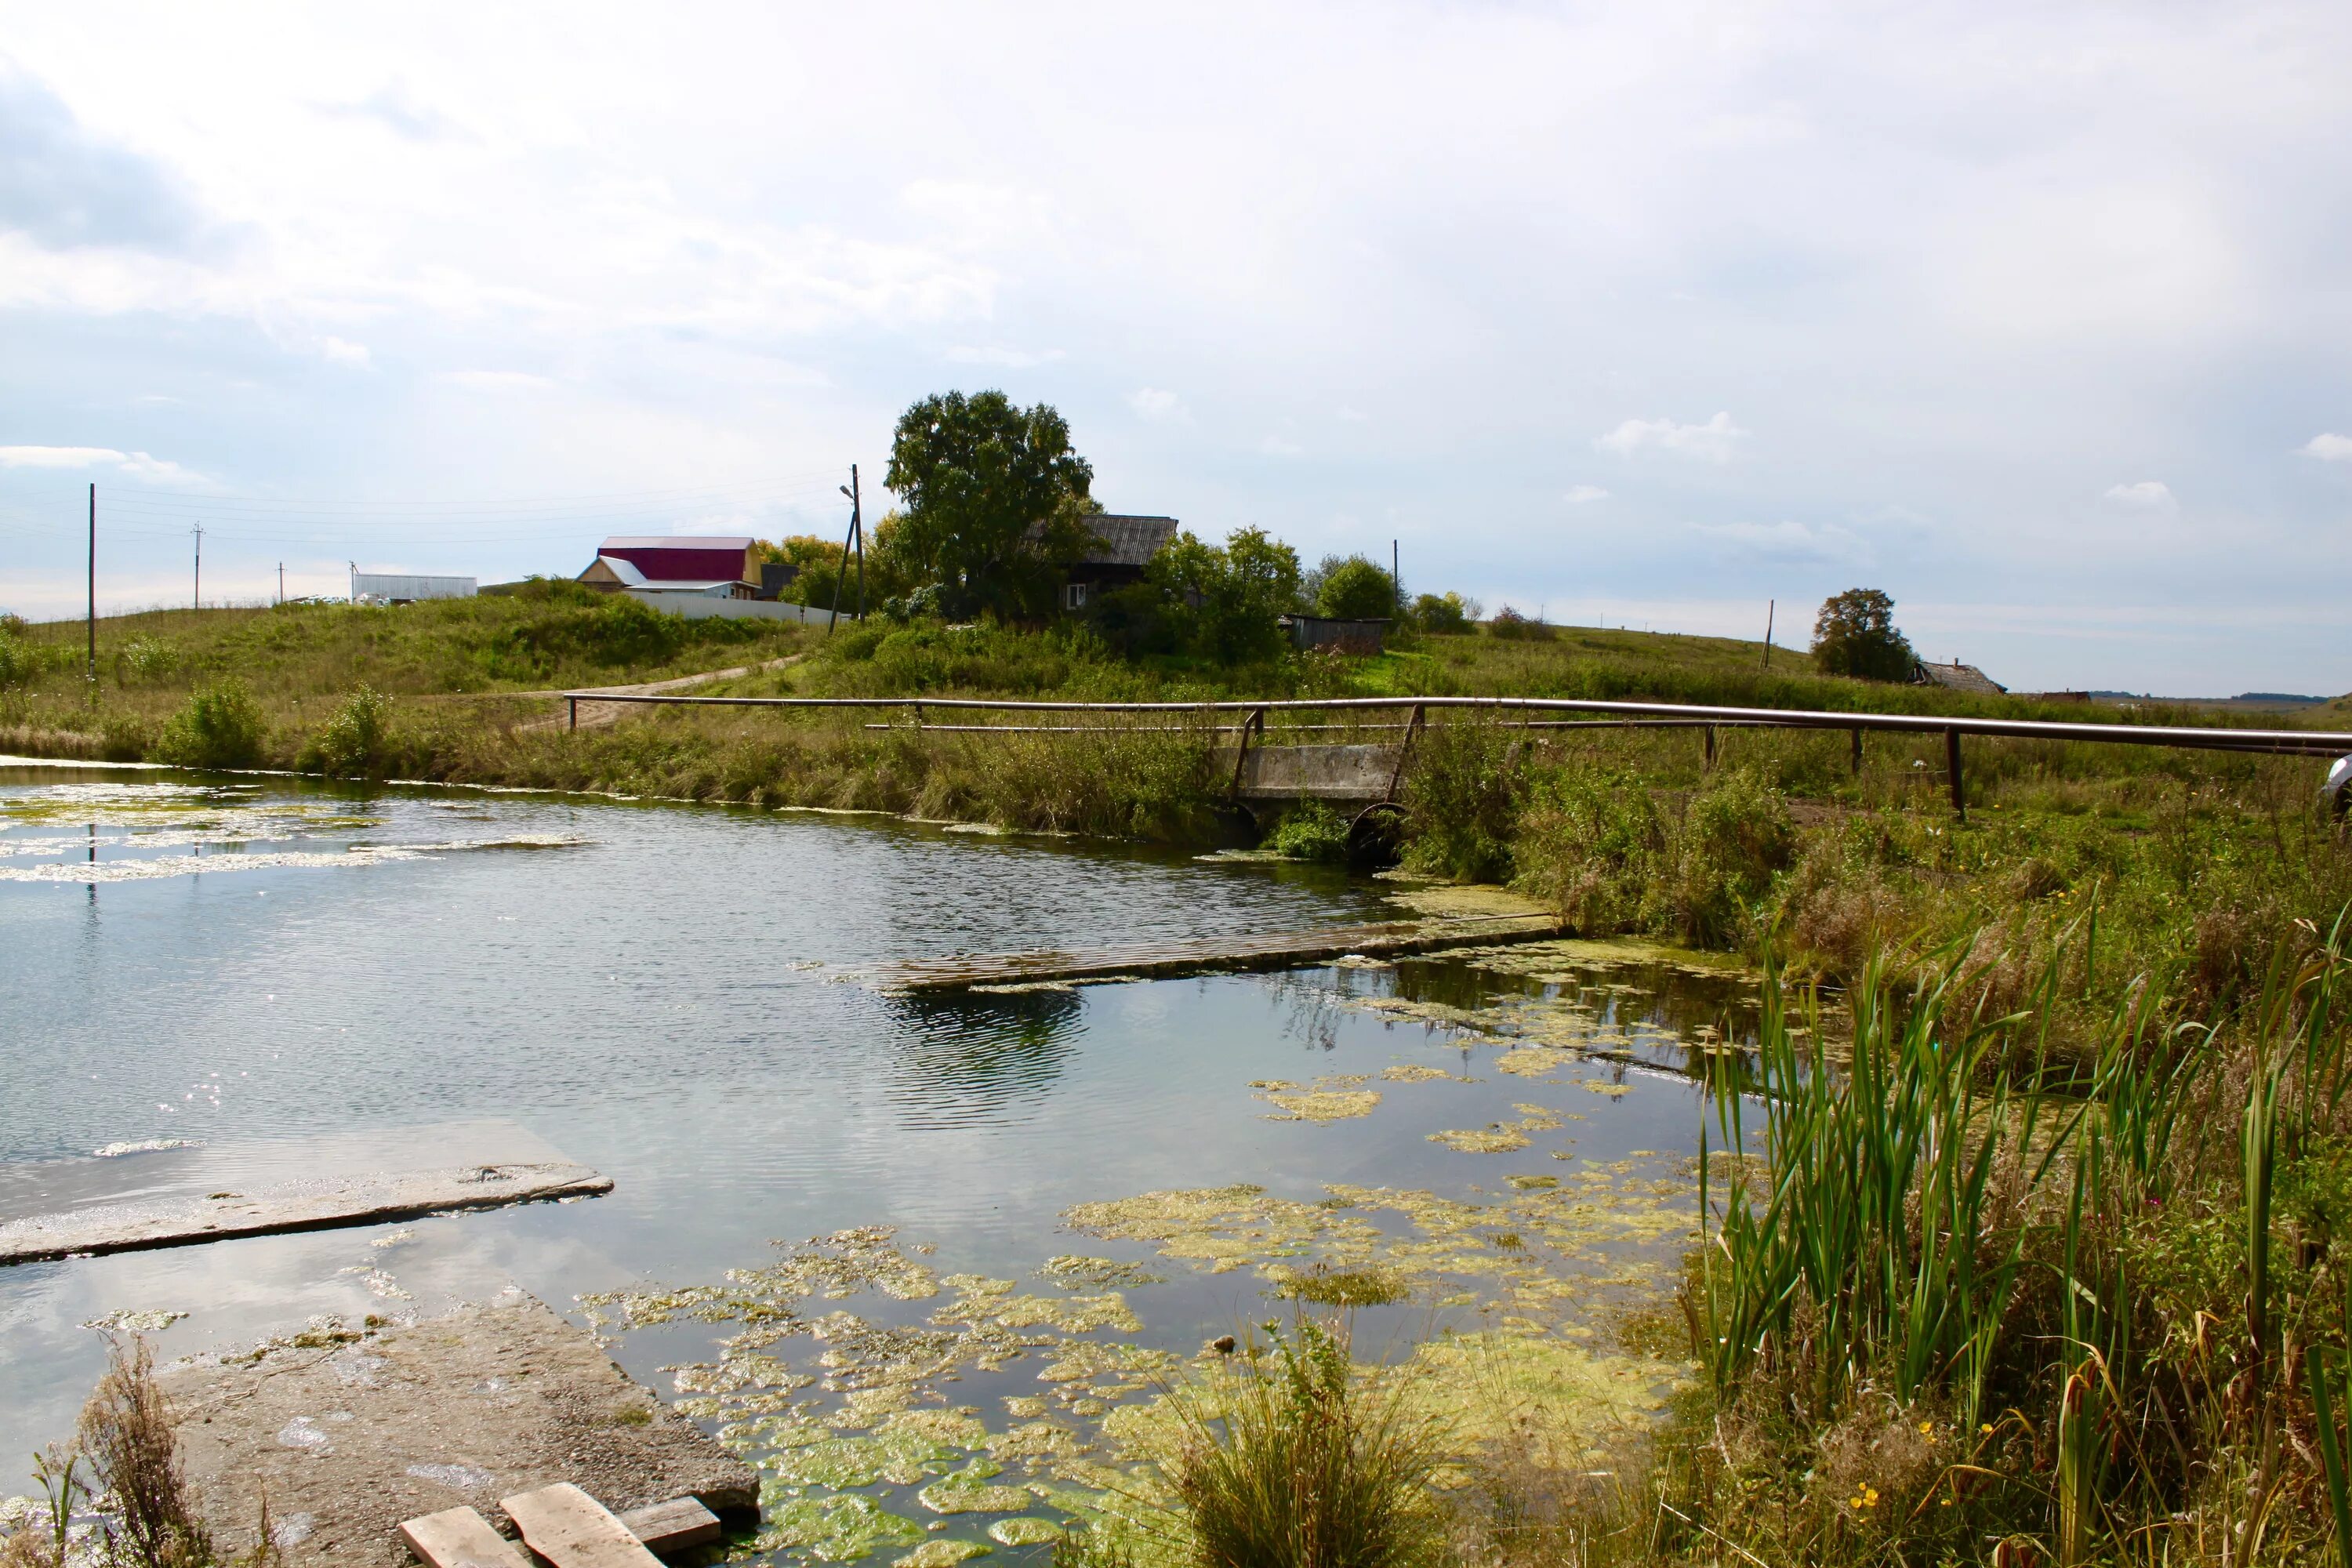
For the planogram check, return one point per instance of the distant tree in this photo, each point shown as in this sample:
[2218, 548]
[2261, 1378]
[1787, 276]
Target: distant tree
[1854, 634]
[1355, 590]
[1450, 616]
[996, 501]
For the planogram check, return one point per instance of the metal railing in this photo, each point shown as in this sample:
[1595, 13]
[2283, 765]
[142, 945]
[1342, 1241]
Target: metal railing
[1611, 715]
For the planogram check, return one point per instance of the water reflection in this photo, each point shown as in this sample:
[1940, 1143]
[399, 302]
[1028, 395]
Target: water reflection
[964, 1060]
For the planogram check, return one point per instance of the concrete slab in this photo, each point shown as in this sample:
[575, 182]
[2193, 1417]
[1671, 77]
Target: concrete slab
[316, 1202]
[351, 1436]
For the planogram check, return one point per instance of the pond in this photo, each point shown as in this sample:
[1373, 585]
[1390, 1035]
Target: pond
[214, 980]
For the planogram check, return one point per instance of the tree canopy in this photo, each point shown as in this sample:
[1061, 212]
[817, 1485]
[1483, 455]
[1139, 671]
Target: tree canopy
[994, 499]
[1854, 634]
[1355, 590]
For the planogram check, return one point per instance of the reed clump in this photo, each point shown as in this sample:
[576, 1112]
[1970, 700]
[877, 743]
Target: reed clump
[118, 1497]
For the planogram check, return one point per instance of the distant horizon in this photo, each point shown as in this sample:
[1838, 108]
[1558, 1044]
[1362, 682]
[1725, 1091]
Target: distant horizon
[2033, 320]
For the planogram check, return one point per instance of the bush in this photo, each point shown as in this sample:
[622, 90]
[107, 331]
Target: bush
[1311, 831]
[221, 727]
[1355, 590]
[1451, 615]
[143, 661]
[1295, 1461]
[352, 743]
[1733, 840]
[1463, 793]
[1591, 848]
[1511, 625]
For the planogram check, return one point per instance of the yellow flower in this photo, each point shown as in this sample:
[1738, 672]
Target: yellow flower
[1986, 1427]
[1926, 1428]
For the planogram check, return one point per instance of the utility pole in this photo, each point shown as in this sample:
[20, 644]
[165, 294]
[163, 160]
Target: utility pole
[1396, 581]
[281, 582]
[199, 531]
[856, 538]
[93, 589]
[1770, 606]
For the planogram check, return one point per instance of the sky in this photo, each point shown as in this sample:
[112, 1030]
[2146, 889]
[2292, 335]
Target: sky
[1669, 315]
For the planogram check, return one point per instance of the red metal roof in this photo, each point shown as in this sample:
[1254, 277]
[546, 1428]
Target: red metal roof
[681, 558]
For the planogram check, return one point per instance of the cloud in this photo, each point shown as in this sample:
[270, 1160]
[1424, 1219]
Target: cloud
[1010, 359]
[343, 351]
[1583, 495]
[1347, 415]
[1787, 543]
[2146, 495]
[1276, 447]
[1712, 442]
[65, 188]
[2327, 447]
[137, 465]
[1158, 406]
[397, 109]
[497, 379]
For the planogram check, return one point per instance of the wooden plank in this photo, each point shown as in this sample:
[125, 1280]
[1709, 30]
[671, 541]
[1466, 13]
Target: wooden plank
[459, 1538]
[1281, 950]
[673, 1526]
[572, 1529]
[316, 1204]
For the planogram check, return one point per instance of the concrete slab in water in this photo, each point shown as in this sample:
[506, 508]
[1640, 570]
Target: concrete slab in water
[175, 1197]
[349, 1438]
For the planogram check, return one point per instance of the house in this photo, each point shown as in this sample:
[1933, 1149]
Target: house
[1956, 676]
[719, 567]
[1123, 546]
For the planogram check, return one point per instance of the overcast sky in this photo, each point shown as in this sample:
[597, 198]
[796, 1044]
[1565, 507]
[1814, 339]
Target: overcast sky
[2038, 318]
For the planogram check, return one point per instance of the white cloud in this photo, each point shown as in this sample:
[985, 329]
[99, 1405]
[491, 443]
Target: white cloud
[1347, 415]
[1009, 359]
[341, 350]
[136, 465]
[2146, 495]
[2328, 447]
[1712, 442]
[497, 379]
[1787, 543]
[1158, 406]
[1276, 447]
[1583, 495]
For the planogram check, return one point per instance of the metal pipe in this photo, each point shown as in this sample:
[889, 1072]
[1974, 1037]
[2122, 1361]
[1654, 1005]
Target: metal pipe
[2290, 743]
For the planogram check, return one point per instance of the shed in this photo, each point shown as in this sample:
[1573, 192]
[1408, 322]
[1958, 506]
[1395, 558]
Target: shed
[1344, 636]
[407, 587]
[614, 574]
[1124, 544]
[680, 563]
[1956, 676]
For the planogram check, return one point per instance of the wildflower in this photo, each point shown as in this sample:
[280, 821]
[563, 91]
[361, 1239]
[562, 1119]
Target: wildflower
[1926, 1428]
[1986, 1428]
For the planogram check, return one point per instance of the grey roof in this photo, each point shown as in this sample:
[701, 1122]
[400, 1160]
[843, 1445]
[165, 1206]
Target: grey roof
[1126, 541]
[1959, 677]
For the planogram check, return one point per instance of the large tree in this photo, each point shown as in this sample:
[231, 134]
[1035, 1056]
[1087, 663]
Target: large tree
[993, 500]
[1854, 634]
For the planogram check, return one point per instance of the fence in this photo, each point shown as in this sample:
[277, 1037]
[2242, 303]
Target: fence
[1416, 714]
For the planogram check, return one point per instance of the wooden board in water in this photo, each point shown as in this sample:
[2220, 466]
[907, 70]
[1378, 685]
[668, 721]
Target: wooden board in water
[1281, 950]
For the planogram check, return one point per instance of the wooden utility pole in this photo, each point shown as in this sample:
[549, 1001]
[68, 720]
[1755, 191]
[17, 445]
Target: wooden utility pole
[853, 539]
[1770, 606]
[93, 584]
[199, 602]
[281, 582]
[1396, 581]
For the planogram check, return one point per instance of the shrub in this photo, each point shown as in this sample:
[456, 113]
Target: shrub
[1734, 837]
[221, 727]
[1591, 848]
[1295, 1461]
[1355, 590]
[1463, 793]
[1448, 616]
[1311, 831]
[144, 660]
[352, 743]
[1511, 625]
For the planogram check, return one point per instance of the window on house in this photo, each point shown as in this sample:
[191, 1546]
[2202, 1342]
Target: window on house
[1074, 596]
